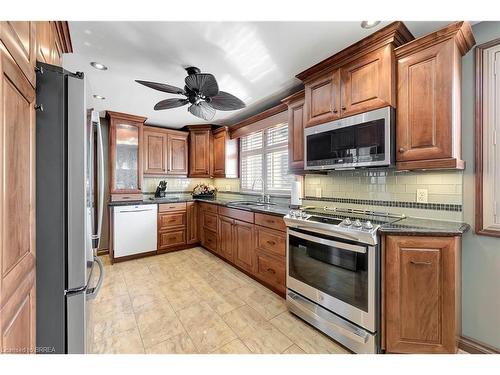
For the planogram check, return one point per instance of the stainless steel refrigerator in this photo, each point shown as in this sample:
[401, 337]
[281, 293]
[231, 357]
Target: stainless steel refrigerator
[68, 218]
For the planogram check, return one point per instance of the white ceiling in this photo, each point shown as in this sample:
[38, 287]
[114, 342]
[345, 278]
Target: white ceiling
[256, 61]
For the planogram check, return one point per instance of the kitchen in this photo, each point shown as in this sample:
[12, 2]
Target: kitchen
[329, 200]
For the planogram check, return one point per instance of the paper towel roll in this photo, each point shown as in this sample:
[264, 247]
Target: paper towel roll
[296, 193]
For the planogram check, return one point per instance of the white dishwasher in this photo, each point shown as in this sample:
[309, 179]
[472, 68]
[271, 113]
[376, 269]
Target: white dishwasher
[134, 229]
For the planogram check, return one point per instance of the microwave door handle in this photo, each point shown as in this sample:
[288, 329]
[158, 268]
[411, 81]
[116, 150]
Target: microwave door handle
[323, 241]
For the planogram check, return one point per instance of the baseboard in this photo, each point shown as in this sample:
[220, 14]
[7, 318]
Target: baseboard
[474, 347]
[102, 252]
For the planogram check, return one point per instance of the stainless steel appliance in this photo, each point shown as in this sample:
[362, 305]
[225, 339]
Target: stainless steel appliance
[363, 140]
[333, 279]
[67, 231]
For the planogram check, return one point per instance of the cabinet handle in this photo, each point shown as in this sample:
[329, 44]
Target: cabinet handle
[420, 263]
[271, 271]
[272, 243]
[335, 110]
[401, 150]
[343, 108]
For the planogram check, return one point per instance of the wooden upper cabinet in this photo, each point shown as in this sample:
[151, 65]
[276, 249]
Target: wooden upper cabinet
[422, 294]
[155, 151]
[368, 82]
[322, 99]
[17, 206]
[296, 123]
[19, 37]
[428, 99]
[200, 151]
[225, 156]
[126, 152]
[177, 152]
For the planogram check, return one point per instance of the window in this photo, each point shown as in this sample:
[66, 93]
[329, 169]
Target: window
[487, 142]
[264, 155]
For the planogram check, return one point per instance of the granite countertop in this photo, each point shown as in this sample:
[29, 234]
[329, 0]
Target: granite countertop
[415, 226]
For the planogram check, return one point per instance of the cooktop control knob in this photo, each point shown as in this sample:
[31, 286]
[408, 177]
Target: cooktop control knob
[347, 222]
[357, 223]
[368, 225]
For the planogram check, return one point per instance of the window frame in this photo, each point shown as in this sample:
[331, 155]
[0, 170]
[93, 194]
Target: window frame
[480, 148]
[264, 150]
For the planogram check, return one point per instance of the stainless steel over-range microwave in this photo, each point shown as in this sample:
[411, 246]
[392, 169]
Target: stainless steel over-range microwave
[364, 140]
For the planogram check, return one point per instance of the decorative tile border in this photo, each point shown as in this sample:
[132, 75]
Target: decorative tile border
[423, 206]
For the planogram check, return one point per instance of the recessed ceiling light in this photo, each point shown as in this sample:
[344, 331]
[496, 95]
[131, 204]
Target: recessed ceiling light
[99, 66]
[369, 24]
[99, 97]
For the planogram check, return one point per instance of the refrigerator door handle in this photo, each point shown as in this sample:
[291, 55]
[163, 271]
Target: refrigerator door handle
[92, 292]
[100, 178]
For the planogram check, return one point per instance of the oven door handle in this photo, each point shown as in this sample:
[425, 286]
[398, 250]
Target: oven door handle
[323, 241]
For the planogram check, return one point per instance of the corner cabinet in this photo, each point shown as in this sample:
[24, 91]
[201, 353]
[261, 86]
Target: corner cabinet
[165, 152]
[200, 151]
[428, 99]
[421, 284]
[225, 154]
[296, 123]
[125, 147]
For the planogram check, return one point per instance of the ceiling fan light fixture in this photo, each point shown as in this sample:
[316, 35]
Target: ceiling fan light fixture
[369, 24]
[98, 65]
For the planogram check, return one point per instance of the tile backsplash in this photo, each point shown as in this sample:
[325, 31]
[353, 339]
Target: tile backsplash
[181, 184]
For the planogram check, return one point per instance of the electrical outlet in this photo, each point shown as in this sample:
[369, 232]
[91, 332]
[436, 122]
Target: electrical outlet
[421, 195]
[318, 192]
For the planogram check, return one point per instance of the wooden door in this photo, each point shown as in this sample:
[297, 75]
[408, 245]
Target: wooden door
[17, 205]
[421, 289]
[177, 155]
[322, 99]
[219, 154]
[19, 37]
[425, 104]
[244, 248]
[367, 83]
[296, 135]
[192, 222]
[155, 149]
[200, 153]
[225, 237]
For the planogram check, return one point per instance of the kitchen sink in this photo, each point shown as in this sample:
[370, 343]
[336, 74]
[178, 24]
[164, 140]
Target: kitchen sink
[249, 203]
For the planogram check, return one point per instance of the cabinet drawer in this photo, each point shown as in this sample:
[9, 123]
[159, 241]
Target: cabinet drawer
[210, 240]
[171, 238]
[271, 270]
[176, 219]
[270, 240]
[207, 207]
[236, 214]
[126, 197]
[270, 221]
[210, 221]
[172, 207]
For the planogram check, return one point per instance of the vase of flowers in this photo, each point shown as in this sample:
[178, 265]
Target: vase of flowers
[204, 191]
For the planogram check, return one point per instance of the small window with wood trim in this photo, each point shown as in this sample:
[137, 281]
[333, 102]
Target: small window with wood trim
[487, 142]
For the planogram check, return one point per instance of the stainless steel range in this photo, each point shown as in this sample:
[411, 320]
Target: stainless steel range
[333, 278]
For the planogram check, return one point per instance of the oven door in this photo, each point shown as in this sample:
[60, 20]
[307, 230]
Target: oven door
[336, 274]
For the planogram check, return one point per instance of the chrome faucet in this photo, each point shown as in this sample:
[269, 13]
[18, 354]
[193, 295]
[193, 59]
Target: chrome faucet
[265, 198]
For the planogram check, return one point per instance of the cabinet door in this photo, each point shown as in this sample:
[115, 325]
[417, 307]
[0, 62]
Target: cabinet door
[19, 37]
[219, 154]
[44, 43]
[155, 149]
[425, 108]
[367, 83]
[420, 287]
[225, 237]
[17, 209]
[177, 155]
[200, 153]
[296, 136]
[244, 249]
[192, 222]
[271, 270]
[322, 99]
[171, 238]
[56, 46]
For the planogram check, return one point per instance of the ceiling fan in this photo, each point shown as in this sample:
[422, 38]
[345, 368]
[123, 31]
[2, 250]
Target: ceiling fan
[201, 90]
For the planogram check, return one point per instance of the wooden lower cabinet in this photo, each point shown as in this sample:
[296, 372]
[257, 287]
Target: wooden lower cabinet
[421, 294]
[244, 249]
[271, 270]
[192, 222]
[225, 237]
[209, 239]
[171, 238]
[172, 226]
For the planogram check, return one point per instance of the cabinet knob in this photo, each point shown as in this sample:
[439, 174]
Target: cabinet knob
[343, 108]
[335, 110]
[402, 149]
[270, 270]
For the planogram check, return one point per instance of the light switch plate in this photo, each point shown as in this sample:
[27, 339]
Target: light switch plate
[422, 196]
[318, 192]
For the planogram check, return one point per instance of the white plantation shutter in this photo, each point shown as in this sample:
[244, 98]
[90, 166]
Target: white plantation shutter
[264, 155]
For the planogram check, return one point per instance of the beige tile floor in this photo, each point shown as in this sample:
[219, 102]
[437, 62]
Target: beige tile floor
[192, 302]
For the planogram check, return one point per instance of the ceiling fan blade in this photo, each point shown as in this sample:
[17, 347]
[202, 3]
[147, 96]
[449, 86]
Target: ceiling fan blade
[204, 83]
[162, 87]
[202, 110]
[170, 103]
[224, 101]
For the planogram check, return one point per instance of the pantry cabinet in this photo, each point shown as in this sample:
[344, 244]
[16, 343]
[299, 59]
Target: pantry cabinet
[428, 99]
[296, 124]
[421, 294]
